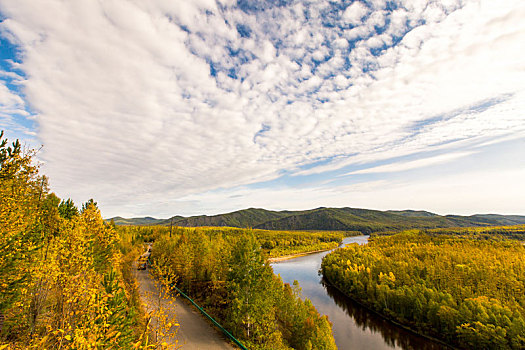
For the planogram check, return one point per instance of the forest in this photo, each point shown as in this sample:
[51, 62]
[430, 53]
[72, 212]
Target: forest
[227, 272]
[466, 291]
[273, 243]
[64, 275]
[516, 232]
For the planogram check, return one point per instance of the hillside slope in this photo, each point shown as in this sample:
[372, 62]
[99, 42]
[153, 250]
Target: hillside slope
[135, 221]
[502, 219]
[364, 220]
[335, 219]
[414, 213]
[242, 218]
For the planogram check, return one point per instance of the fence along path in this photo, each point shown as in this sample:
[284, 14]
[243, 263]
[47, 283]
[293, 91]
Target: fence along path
[195, 333]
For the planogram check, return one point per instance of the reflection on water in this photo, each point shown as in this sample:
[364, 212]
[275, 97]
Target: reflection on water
[354, 326]
[393, 336]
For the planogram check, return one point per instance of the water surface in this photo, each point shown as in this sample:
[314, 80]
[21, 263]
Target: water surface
[354, 326]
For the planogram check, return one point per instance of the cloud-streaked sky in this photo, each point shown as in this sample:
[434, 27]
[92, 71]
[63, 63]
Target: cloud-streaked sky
[167, 107]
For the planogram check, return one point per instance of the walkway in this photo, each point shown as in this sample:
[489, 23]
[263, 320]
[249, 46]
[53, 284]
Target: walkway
[194, 333]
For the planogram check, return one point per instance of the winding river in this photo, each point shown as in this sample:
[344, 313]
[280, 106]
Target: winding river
[354, 326]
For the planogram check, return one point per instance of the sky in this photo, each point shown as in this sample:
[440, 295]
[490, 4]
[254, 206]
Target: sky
[171, 107]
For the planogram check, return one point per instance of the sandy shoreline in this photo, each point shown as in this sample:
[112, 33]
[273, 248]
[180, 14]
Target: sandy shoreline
[291, 256]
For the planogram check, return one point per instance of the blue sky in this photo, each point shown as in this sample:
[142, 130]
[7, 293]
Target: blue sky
[200, 107]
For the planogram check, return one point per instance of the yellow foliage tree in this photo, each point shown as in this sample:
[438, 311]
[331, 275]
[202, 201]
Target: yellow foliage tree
[61, 285]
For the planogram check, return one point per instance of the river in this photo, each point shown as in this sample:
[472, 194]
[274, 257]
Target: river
[354, 326]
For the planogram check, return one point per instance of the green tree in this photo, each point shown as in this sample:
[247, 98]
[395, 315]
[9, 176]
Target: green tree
[20, 189]
[89, 203]
[67, 209]
[250, 284]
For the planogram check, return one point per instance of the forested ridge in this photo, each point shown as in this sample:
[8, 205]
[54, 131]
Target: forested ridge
[64, 274]
[332, 219]
[117, 220]
[227, 272]
[466, 291]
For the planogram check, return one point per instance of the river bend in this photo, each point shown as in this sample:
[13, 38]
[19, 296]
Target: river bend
[354, 326]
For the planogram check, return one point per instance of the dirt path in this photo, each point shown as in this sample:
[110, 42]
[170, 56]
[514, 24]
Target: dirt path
[194, 332]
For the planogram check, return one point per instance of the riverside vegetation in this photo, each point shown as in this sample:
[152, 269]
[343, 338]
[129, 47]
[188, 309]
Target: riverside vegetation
[273, 243]
[516, 232]
[65, 279]
[226, 271]
[466, 290]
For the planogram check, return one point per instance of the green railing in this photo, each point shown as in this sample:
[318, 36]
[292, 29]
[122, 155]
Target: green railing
[228, 334]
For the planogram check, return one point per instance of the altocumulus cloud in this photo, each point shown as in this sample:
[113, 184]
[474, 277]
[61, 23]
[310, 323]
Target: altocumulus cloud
[150, 102]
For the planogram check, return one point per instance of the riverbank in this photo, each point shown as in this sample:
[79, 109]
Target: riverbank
[384, 316]
[309, 252]
[390, 319]
[353, 326]
[296, 255]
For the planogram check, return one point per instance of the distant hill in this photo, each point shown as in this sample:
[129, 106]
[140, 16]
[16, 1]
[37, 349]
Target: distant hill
[135, 221]
[364, 220]
[503, 219]
[336, 219]
[414, 213]
[242, 218]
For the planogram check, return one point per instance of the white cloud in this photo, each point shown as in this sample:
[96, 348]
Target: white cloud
[10, 102]
[13, 114]
[129, 111]
[468, 193]
[355, 12]
[410, 165]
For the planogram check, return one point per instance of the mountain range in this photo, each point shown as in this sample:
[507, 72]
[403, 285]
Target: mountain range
[340, 219]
